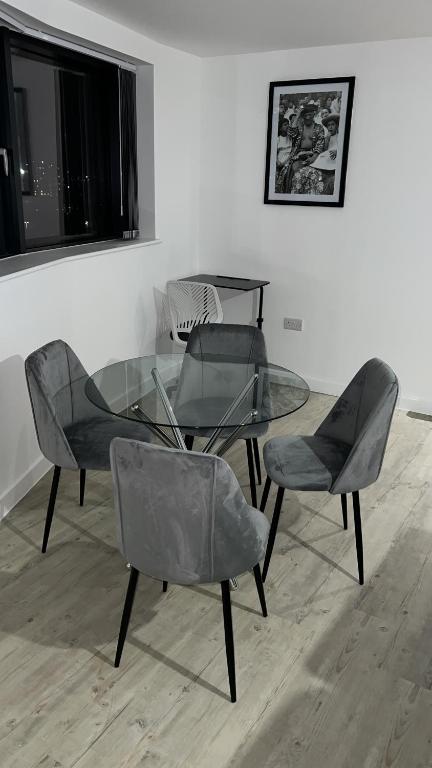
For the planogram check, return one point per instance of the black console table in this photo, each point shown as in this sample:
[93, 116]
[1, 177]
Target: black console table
[234, 284]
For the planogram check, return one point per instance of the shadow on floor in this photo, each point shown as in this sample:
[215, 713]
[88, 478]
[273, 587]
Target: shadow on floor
[362, 694]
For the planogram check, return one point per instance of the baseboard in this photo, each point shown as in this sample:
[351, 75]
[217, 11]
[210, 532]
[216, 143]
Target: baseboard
[23, 485]
[324, 387]
[334, 388]
[416, 405]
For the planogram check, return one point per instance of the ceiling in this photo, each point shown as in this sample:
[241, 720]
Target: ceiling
[218, 27]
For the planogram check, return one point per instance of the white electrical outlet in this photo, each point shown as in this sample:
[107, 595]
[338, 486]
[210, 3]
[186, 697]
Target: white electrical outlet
[293, 324]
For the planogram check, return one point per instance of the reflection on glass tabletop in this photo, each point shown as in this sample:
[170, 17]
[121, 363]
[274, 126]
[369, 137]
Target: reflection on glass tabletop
[200, 389]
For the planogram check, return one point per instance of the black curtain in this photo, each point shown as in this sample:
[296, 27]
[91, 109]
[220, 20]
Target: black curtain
[127, 95]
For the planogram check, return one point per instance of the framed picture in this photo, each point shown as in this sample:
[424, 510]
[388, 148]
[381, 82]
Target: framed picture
[307, 141]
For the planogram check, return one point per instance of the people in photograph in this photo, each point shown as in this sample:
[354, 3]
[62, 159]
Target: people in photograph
[319, 177]
[282, 108]
[307, 142]
[319, 118]
[303, 100]
[336, 104]
[331, 122]
[329, 102]
[307, 181]
[284, 143]
[322, 113]
[290, 110]
[284, 147]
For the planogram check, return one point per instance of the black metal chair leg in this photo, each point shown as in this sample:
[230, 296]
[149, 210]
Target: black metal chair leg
[189, 441]
[344, 510]
[260, 589]
[266, 491]
[51, 505]
[164, 586]
[127, 610]
[229, 638]
[251, 472]
[257, 459]
[358, 535]
[273, 531]
[82, 485]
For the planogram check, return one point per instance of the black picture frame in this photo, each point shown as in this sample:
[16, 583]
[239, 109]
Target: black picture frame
[289, 178]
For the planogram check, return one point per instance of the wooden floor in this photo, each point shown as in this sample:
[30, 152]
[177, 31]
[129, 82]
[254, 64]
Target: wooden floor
[338, 676]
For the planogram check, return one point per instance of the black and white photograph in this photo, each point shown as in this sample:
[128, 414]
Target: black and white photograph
[307, 141]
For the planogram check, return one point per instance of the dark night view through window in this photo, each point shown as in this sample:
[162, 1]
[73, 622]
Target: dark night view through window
[63, 183]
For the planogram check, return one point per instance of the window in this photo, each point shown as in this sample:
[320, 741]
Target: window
[67, 146]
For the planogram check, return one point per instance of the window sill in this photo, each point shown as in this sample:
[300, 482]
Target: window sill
[25, 263]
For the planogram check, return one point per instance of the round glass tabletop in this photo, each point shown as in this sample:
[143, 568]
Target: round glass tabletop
[200, 392]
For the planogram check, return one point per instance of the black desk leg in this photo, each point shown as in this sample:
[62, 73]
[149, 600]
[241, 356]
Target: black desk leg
[260, 318]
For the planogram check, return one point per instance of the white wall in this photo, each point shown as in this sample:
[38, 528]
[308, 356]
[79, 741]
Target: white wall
[103, 305]
[360, 276]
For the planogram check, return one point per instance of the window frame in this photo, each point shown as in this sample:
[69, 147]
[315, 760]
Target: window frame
[10, 187]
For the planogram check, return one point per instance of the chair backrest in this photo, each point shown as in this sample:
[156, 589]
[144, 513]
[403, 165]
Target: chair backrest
[361, 418]
[51, 372]
[182, 516]
[191, 304]
[226, 345]
[242, 343]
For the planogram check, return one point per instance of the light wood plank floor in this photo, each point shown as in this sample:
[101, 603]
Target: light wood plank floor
[338, 676]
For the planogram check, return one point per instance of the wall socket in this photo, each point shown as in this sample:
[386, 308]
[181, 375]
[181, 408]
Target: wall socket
[293, 324]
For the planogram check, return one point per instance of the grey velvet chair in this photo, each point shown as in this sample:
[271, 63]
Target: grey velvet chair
[232, 343]
[343, 456]
[72, 432]
[182, 518]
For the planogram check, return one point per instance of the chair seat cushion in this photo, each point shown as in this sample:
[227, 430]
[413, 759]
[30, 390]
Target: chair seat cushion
[305, 463]
[90, 438]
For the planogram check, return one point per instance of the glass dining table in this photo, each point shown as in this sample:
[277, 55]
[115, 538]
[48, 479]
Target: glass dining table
[213, 396]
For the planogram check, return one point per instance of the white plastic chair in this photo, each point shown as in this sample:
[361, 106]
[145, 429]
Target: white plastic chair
[191, 304]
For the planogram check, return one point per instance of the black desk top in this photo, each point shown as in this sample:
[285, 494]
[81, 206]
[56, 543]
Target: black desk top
[224, 281]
